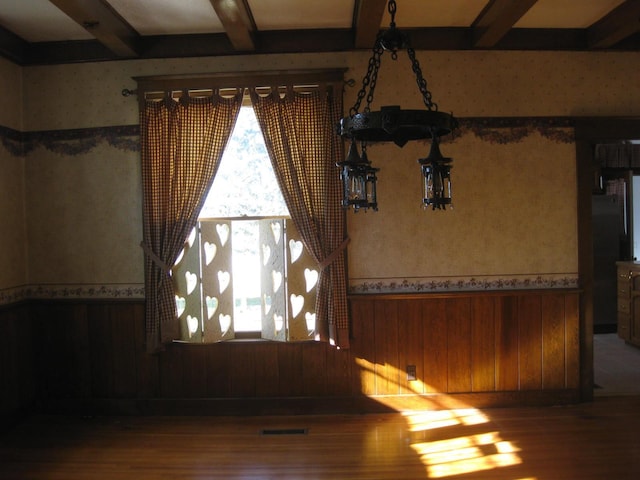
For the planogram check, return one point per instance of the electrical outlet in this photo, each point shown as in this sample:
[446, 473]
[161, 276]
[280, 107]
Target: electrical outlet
[411, 372]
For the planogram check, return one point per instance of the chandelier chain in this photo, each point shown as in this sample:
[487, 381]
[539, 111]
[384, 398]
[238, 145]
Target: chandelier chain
[369, 80]
[392, 11]
[420, 80]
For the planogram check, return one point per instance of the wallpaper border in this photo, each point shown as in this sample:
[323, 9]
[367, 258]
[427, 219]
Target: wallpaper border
[117, 291]
[356, 286]
[497, 130]
[463, 283]
[71, 142]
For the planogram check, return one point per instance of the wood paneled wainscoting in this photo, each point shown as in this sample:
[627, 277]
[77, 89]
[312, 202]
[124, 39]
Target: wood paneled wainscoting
[17, 373]
[480, 349]
[17, 369]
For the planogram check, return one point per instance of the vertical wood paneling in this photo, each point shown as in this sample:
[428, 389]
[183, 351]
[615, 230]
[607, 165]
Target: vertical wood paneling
[242, 370]
[458, 344]
[125, 381]
[194, 371]
[340, 371]
[386, 347]
[553, 342]
[314, 369]
[101, 351]
[23, 372]
[147, 365]
[267, 370]
[363, 347]
[530, 342]
[171, 369]
[9, 365]
[572, 352]
[291, 369]
[410, 337]
[64, 352]
[483, 345]
[435, 345]
[507, 344]
[218, 377]
[17, 374]
[17, 369]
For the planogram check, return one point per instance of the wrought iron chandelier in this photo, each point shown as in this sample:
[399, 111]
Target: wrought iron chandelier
[392, 124]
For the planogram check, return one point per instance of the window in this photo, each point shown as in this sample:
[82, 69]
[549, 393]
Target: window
[185, 122]
[244, 270]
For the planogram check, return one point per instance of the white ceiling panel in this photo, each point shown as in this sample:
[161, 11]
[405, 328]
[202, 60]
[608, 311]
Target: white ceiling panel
[297, 14]
[39, 21]
[169, 17]
[435, 13]
[566, 13]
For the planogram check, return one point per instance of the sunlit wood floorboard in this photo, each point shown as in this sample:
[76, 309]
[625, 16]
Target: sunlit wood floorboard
[587, 441]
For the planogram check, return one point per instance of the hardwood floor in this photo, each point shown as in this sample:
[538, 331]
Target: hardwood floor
[587, 441]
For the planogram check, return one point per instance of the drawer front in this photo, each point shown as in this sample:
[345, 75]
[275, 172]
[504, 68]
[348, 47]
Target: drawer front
[623, 325]
[623, 305]
[623, 289]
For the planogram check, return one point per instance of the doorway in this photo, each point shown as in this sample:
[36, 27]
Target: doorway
[591, 132]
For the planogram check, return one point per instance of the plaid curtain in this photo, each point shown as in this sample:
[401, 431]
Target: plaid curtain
[300, 135]
[182, 144]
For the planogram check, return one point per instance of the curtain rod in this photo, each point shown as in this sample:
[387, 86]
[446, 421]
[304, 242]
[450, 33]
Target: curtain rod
[238, 79]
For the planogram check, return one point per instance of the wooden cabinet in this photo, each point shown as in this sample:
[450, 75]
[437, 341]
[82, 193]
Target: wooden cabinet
[629, 302]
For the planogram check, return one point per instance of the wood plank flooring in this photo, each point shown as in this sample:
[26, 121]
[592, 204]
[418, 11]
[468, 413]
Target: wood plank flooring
[587, 441]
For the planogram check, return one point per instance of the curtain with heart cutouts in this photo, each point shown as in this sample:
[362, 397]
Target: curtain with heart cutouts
[182, 143]
[300, 135]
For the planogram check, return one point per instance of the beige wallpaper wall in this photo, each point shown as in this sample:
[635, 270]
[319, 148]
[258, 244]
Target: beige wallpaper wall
[514, 188]
[12, 211]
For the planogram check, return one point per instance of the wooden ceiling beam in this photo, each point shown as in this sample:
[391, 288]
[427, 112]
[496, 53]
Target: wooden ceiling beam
[622, 22]
[367, 17]
[12, 47]
[238, 23]
[103, 23]
[496, 19]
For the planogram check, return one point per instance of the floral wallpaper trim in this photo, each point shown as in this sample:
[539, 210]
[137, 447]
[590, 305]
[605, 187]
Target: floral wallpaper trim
[71, 142]
[503, 130]
[459, 284]
[500, 130]
[72, 292]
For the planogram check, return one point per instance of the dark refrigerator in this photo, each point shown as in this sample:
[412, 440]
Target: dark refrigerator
[607, 222]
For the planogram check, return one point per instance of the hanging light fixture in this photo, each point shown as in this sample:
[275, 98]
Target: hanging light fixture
[358, 180]
[392, 124]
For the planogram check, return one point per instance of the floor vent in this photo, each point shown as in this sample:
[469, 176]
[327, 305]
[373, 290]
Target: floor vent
[284, 431]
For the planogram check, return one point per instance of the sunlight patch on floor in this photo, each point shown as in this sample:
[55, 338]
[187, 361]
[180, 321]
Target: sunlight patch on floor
[472, 453]
[435, 428]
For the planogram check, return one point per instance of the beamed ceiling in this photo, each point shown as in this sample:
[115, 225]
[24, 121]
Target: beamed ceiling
[35, 32]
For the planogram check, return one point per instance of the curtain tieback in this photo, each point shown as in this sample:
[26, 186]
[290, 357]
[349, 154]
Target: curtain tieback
[155, 258]
[331, 258]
